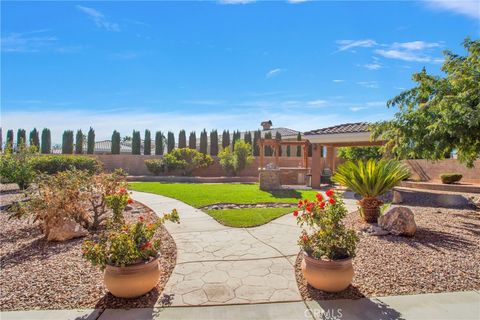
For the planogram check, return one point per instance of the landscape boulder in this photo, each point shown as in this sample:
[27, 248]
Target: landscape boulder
[66, 230]
[399, 221]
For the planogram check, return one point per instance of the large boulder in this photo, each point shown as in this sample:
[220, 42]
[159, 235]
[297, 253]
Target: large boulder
[398, 221]
[65, 230]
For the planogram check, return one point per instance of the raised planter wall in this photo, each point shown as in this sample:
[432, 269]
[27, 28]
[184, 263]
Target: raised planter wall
[426, 170]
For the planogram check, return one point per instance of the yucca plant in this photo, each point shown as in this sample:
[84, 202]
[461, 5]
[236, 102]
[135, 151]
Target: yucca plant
[370, 179]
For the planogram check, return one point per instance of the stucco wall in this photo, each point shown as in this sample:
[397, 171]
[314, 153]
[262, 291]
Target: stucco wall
[425, 170]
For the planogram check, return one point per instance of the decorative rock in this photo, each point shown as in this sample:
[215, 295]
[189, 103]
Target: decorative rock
[374, 230]
[128, 207]
[398, 221]
[397, 197]
[69, 229]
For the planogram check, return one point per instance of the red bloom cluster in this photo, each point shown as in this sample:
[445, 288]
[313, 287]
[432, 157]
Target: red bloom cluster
[146, 245]
[321, 202]
[130, 201]
[122, 191]
[141, 218]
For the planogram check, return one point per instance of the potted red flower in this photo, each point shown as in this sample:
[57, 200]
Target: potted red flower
[128, 254]
[328, 246]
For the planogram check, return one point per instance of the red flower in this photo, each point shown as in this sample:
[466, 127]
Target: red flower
[300, 203]
[310, 206]
[141, 218]
[305, 201]
[331, 200]
[130, 201]
[322, 204]
[330, 193]
[305, 238]
[122, 190]
[295, 213]
[319, 196]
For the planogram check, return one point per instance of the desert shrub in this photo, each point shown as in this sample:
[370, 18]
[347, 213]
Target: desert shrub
[233, 162]
[359, 153]
[449, 178]
[186, 160]
[91, 141]
[46, 141]
[155, 166]
[52, 164]
[17, 168]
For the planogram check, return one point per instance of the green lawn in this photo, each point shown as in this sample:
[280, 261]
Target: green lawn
[244, 218]
[202, 194]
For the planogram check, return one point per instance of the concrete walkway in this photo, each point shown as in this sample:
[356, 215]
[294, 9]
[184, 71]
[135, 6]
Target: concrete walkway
[451, 305]
[223, 265]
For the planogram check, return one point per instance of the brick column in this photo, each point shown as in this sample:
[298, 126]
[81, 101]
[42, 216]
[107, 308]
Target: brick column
[316, 165]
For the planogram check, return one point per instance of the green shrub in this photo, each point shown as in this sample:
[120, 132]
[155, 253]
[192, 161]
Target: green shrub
[147, 147]
[91, 141]
[233, 162]
[52, 164]
[34, 139]
[155, 166]
[449, 178]
[17, 168]
[46, 141]
[192, 140]
[359, 153]
[79, 142]
[67, 142]
[203, 142]
[214, 143]
[170, 142]
[186, 160]
[159, 143]
[115, 142]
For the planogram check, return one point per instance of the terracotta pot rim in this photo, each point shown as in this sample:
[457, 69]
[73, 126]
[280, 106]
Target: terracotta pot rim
[134, 267]
[328, 263]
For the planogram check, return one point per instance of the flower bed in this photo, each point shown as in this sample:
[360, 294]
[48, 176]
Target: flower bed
[37, 274]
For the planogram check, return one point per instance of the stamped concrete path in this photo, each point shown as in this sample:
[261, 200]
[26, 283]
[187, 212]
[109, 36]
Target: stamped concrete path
[217, 264]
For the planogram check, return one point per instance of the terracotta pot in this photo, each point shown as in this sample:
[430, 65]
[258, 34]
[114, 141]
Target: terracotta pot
[132, 281]
[371, 215]
[327, 275]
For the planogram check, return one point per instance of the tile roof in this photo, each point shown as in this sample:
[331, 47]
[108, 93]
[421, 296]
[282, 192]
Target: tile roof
[342, 128]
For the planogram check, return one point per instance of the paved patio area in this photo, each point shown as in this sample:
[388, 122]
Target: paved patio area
[223, 265]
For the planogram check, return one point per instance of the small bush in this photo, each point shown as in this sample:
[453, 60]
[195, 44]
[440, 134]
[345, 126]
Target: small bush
[17, 168]
[56, 163]
[155, 166]
[186, 160]
[449, 178]
[233, 162]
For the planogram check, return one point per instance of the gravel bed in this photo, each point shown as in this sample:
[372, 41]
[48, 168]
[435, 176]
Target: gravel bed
[443, 256]
[36, 274]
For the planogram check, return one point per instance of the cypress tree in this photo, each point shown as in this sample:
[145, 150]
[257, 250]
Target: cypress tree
[159, 143]
[235, 137]
[147, 145]
[46, 141]
[1, 139]
[248, 138]
[192, 140]
[9, 141]
[79, 142]
[214, 143]
[268, 149]
[225, 139]
[34, 139]
[116, 142]
[21, 137]
[257, 135]
[299, 149]
[203, 142]
[170, 142]
[182, 139]
[278, 137]
[91, 141]
[67, 142]
[136, 142]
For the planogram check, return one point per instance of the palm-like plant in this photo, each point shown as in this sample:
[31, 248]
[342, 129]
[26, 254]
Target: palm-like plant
[370, 179]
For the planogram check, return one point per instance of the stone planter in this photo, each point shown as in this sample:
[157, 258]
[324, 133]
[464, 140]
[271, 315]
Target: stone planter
[327, 275]
[132, 281]
[370, 215]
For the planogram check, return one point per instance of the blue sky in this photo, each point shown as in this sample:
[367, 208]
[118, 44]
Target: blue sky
[228, 64]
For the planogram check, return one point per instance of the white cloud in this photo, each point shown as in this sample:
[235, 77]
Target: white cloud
[368, 84]
[416, 51]
[338, 80]
[415, 45]
[99, 19]
[468, 8]
[236, 1]
[296, 1]
[317, 103]
[355, 109]
[403, 55]
[273, 73]
[373, 66]
[32, 41]
[350, 44]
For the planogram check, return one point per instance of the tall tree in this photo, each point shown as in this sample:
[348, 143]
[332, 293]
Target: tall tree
[268, 149]
[1, 139]
[182, 139]
[278, 136]
[204, 142]
[438, 115]
[9, 142]
[159, 143]
[299, 148]
[170, 142]
[147, 145]
[91, 141]
[34, 138]
[136, 142]
[79, 142]
[235, 137]
[225, 139]
[21, 137]
[248, 138]
[46, 141]
[67, 142]
[116, 142]
[257, 135]
[192, 140]
[214, 143]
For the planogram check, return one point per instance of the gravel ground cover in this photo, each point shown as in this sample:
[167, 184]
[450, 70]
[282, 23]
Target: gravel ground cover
[442, 256]
[36, 274]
